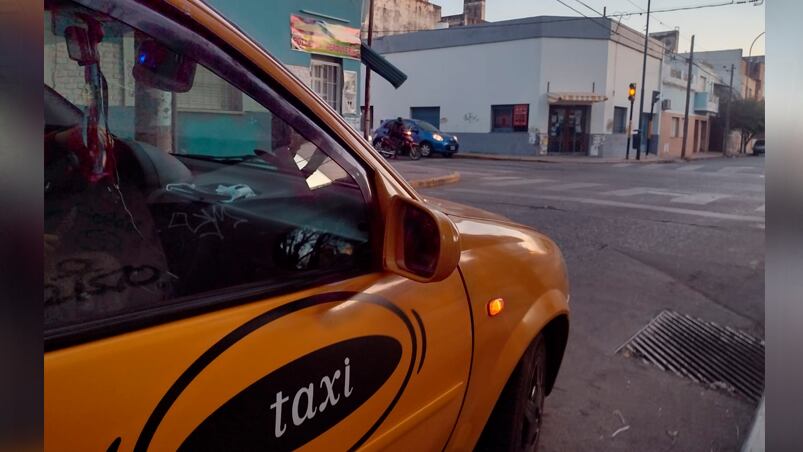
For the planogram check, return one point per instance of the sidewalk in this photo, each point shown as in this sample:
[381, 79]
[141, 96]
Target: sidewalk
[651, 158]
[421, 175]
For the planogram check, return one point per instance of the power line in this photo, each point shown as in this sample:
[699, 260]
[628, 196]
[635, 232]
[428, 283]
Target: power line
[586, 5]
[686, 8]
[609, 29]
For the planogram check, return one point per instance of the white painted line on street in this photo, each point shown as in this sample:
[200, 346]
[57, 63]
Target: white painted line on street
[492, 178]
[572, 186]
[519, 181]
[622, 165]
[730, 170]
[641, 191]
[761, 209]
[699, 199]
[653, 166]
[626, 205]
[689, 167]
[628, 191]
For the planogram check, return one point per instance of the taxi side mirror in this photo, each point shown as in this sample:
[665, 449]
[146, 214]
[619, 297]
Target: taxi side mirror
[421, 244]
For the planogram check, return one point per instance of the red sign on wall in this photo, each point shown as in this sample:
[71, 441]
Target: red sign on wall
[520, 115]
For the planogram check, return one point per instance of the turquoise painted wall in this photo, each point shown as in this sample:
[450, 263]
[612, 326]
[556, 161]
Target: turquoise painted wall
[268, 23]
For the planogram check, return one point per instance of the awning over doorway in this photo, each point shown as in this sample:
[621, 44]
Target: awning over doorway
[377, 63]
[570, 98]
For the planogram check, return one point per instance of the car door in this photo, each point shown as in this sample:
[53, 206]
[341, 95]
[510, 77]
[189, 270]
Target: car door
[213, 274]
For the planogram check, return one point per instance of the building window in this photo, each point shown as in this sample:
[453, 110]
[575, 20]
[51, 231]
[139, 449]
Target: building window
[619, 119]
[676, 73]
[510, 118]
[675, 127]
[327, 81]
[210, 93]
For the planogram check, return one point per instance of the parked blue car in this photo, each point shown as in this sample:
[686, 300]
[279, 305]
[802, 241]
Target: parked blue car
[429, 139]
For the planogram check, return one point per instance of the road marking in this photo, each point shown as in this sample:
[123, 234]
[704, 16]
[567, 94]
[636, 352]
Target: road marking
[622, 165]
[762, 208]
[652, 166]
[518, 181]
[689, 167]
[699, 199]
[731, 170]
[492, 178]
[641, 191]
[572, 186]
[626, 205]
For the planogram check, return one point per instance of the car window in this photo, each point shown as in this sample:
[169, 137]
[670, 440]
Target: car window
[426, 126]
[154, 197]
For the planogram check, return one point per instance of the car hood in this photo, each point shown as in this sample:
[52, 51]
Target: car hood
[455, 209]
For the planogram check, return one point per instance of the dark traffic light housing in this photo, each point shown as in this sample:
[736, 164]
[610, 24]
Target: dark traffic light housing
[631, 92]
[656, 96]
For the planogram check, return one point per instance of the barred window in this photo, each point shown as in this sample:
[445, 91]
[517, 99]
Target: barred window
[326, 81]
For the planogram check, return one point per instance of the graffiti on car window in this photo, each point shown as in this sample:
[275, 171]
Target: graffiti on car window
[206, 223]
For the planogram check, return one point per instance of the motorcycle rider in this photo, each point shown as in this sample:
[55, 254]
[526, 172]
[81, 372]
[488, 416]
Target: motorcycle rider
[396, 132]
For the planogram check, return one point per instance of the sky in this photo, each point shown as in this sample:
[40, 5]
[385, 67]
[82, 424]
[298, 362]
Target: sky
[721, 27]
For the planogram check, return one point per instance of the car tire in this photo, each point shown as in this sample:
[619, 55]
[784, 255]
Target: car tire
[426, 149]
[515, 423]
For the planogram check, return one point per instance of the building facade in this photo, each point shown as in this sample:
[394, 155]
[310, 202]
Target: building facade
[336, 78]
[528, 86]
[748, 74]
[400, 16]
[473, 14]
[703, 107]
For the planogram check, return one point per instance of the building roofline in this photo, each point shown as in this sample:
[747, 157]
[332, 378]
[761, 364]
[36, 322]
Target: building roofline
[603, 28]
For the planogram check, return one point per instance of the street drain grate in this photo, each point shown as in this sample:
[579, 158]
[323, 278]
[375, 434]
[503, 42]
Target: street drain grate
[704, 352]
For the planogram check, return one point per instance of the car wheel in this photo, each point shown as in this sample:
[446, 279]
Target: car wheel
[415, 153]
[515, 423]
[426, 149]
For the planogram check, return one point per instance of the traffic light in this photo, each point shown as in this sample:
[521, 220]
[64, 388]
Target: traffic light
[631, 92]
[656, 96]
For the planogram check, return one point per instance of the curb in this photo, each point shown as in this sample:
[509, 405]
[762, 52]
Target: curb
[590, 161]
[436, 181]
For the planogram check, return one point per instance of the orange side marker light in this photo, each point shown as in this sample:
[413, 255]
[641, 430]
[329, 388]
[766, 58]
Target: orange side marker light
[495, 307]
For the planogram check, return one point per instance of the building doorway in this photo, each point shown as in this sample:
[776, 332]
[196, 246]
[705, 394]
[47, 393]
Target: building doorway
[431, 115]
[568, 128]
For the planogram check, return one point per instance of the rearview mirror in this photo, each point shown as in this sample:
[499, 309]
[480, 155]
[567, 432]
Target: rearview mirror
[420, 243]
[79, 47]
[158, 67]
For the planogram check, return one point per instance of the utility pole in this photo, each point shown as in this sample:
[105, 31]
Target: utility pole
[643, 80]
[656, 96]
[366, 113]
[726, 131]
[688, 94]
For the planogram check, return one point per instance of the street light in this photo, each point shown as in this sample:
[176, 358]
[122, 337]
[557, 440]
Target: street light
[749, 54]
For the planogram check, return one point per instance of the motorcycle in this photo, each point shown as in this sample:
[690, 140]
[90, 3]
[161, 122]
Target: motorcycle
[390, 148]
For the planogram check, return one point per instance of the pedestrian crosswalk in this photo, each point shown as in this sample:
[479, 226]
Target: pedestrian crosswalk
[534, 185]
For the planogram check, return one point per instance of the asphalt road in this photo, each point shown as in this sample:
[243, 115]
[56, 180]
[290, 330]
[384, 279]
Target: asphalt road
[638, 239]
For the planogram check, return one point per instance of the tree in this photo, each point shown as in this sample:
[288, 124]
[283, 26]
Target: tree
[747, 116]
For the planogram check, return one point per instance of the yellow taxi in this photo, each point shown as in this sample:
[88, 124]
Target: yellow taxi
[230, 266]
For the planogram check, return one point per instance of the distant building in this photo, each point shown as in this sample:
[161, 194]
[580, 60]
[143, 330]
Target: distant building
[473, 14]
[668, 38]
[527, 86]
[748, 74]
[400, 16]
[703, 106]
